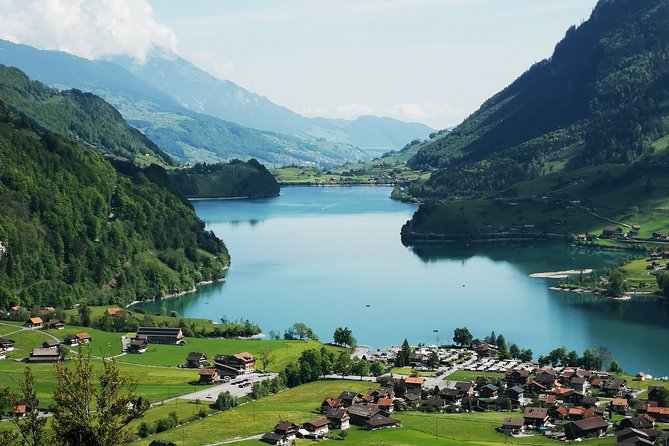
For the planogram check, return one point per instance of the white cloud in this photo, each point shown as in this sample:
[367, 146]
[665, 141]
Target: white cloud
[211, 62]
[93, 29]
[435, 115]
[354, 110]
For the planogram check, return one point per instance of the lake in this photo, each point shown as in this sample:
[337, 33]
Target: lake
[332, 257]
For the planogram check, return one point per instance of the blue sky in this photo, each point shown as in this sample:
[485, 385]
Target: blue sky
[433, 61]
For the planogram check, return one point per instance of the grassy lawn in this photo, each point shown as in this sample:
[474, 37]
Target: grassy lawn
[638, 276]
[409, 371]
[466, 375]
[171, 355]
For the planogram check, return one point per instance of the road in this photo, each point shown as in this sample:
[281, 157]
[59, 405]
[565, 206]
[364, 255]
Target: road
[211, 392]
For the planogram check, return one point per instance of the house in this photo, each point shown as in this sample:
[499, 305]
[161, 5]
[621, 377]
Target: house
[635, 423]
[588, 428]
[235, 365]
[208, 376]
[488, 391]
[414, 382]
[452, 396]
[515, 393]
[576, 413]
[7, 344]
[287, 429]
[641, 376]
[3, 355]
[547, 378]
[331, 403]
[84, 338]
[137, 345]
[46, 310]
[20, 410]
[34, 322]
[659, 236]
[385, 404]
[350, 398]
[56, 324]
[520, 377]
[535, 416]
[435, 402]
[51, 343]
[319, 426]
[535, 388]
[162, 443]
[275, 439]
[162, 335]
[195, 360]
[113, 312]
[614, 386]
[512, 426]
[612, 231]
[619, 405]
[589, 401]
[660, 414]
[579, 384]
[379, 421]
[360, 414]
[44, 355]
[338, 418]
[631, 436]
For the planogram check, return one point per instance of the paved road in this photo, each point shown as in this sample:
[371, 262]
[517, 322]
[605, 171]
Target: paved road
[211, 392]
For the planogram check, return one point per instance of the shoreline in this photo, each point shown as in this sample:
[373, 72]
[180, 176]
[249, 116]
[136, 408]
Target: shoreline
[561, 274]
[180, 293]
[250, 197]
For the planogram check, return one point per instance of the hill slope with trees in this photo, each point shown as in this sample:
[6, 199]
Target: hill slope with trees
[75, 226]
[602, 97]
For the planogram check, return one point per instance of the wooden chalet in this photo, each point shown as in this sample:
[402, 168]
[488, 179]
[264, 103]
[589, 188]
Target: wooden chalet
[512, 426]
[319, 426]
[350, 398]
[44, 355]
[162, 335]
[379, 421]
[34, 322]
[137, 345]
[56, 324]
[660, 414]
[208, 375]
[360, 414]
[235, 365]
[7, 344]
[51, 343]
[338, 418]
[287, 429]
[196, 360]
[331, 403]
[535, 416]
[588, 428]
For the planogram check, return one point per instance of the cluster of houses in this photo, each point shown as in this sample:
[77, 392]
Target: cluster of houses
[370, 411]
[618, 232]
[570, 407]
[224, 366]
[50, 352]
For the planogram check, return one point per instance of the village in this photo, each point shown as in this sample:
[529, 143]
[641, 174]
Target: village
[560, 402]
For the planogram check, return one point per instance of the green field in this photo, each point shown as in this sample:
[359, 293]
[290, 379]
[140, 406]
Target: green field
[172, 355]
[466, 375]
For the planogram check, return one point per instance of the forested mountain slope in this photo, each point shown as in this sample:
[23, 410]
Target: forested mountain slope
[602, 97]
[79, 115]
[76, 226]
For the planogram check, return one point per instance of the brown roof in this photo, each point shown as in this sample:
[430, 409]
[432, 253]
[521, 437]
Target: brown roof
[207, 372]
[414, 380]
[619, 402]
[112, 311]
[245, 356]
[318, 422]
[516, 422]
[384, 402]
[657, 411]
[36, 320]
[535, 412]
[591, 423]
[82, 336]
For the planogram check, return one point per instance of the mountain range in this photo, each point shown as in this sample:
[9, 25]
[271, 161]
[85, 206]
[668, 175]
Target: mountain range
[195, 117]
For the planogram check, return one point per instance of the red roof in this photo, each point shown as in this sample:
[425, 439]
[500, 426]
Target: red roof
[414, 380]
[36, 320]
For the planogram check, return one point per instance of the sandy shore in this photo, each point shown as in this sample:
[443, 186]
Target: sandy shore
[561, 274]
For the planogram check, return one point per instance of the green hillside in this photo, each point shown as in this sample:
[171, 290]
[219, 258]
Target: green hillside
[76, 226]
[231, 180]
[78, 115]
[602, 97]
[590, 125]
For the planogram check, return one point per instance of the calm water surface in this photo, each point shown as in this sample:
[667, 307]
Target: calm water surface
[332, 257]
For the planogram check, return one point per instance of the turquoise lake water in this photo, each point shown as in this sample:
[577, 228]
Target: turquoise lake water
[332, 257]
